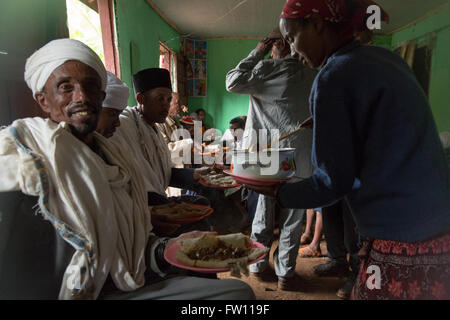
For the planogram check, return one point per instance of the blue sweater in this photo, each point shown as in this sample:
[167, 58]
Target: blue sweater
[376, 145]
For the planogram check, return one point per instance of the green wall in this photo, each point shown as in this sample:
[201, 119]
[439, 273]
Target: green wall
[25, 26]
[220, 105]
[384, 41]
[139, 30]
[434, 30]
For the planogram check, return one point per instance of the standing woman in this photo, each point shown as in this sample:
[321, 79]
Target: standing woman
[376, 146]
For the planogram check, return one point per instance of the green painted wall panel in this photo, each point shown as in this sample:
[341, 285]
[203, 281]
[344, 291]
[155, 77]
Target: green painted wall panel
[384, 41]
[25, 26]
[440, 80]
[220, 105]
[435, 30]
[139, 30]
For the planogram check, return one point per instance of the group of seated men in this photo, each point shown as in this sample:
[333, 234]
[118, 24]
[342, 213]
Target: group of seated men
[93, 237]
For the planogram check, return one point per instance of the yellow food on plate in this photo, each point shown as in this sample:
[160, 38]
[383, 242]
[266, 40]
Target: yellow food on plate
[219, 179]
[220, 251]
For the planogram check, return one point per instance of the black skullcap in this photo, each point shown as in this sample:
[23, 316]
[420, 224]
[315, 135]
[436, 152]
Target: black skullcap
[148, 79]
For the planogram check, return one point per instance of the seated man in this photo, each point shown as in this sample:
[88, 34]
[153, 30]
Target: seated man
[115, 102]
[116, 98]
[138, 130]
[96, 236]
[169, 131]
[237, 127]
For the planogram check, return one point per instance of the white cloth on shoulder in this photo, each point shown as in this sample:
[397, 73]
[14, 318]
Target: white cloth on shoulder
[93, 205]
[179, 149]
[43, 62]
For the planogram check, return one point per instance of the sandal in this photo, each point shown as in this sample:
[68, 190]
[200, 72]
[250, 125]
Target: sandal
[307, 252]
[305, 239]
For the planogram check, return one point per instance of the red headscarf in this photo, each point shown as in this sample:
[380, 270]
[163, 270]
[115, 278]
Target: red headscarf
[187, 120]
[331, 10]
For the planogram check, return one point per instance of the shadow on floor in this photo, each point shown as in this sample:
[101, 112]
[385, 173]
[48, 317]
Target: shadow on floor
[307, 285]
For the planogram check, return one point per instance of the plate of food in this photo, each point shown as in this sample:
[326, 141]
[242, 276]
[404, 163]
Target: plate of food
[216, 253]
[254, 181]
[181, 212]
[218, 181]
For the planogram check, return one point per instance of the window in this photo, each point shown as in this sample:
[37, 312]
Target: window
[168, 60]
[92, 22]
[84, 25]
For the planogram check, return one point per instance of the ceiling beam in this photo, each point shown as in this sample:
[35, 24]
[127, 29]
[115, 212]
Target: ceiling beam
[156, 9]
[427, 15]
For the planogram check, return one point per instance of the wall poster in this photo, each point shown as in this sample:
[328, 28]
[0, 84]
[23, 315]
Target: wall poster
[196, 52]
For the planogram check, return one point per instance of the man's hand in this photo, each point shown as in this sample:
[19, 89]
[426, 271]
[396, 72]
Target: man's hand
[188, 235]
[265, 45]
[184, 109]
[198, 173]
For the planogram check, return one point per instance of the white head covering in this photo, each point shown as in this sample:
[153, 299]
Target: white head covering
[117, 93]
[194, 116]
[44, 61]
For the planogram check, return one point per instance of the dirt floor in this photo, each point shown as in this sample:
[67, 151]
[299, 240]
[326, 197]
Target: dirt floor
[307, 285]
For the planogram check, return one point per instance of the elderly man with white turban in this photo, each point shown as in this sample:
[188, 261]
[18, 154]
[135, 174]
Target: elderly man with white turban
[93, 235]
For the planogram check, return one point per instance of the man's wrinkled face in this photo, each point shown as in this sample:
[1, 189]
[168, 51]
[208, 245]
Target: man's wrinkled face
[108, 122]
[304, 40]
[73, 94]
[156, 104]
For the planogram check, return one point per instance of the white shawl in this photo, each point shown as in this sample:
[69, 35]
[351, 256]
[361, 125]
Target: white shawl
[94, 206]
[149, 149]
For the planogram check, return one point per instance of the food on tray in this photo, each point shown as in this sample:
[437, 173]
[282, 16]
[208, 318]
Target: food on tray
[219, 179]
[174, 211]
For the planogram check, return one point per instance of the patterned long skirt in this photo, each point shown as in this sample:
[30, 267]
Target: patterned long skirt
[409, 271]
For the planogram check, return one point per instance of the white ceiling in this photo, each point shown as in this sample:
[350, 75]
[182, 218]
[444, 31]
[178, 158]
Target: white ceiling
[256, 18]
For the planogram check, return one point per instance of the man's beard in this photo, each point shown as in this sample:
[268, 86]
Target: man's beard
[83, 129]
[87, 126]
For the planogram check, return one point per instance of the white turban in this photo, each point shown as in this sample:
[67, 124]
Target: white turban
[44, 61]
[116, 93]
